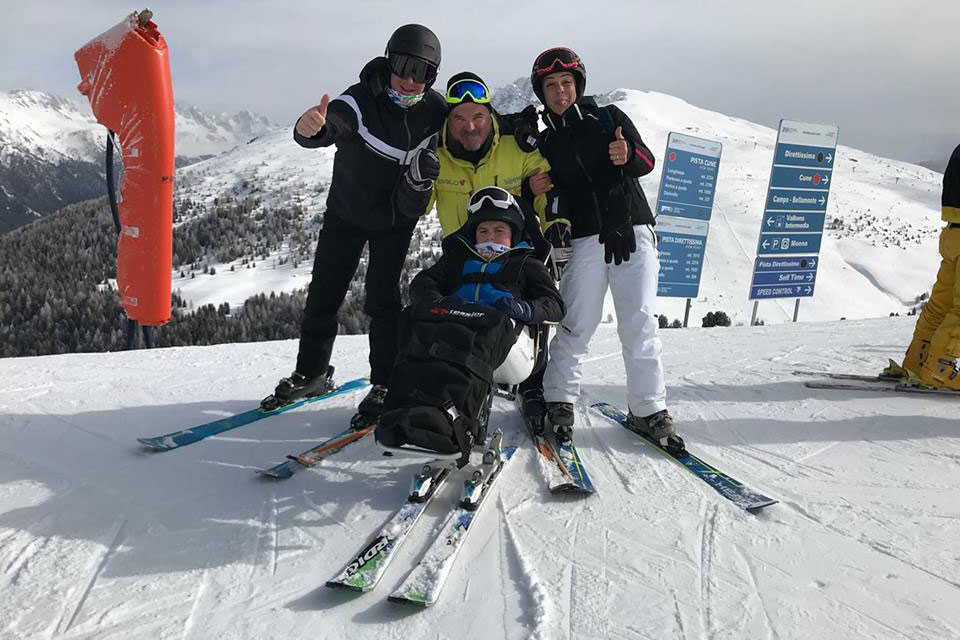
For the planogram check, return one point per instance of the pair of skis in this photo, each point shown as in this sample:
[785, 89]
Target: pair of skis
[565, 472]
[879, 384]
[357, 430]
[423, 585]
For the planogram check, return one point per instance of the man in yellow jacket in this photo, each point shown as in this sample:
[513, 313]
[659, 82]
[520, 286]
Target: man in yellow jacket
[475, 152]
[935, 349]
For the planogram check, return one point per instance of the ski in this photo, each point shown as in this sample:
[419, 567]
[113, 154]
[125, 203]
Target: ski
[731, 489]
[849, 376]
[368, 566]
[887, 387]
[325, 449]
[559, 463]
[573, 468]
[424, 583]
[195, 434]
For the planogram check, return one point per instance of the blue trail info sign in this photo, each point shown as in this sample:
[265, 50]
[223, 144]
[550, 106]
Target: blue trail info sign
[794, 211]
[687, 187]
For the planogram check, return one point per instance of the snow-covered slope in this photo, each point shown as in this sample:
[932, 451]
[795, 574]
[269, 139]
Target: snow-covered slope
[880, 256]
[100, 540]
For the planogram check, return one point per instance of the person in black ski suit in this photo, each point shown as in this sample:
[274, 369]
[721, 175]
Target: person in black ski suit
[596, 155]
[385, 129]
[465, 314]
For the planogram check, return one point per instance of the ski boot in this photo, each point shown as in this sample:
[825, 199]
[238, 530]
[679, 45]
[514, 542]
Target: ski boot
[476, 485]
[296, 387]
[534, 410]
[370, 408]
[659, 427]
[560, 415]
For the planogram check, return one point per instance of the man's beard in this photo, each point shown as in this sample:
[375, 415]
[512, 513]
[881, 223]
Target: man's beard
[472, 141]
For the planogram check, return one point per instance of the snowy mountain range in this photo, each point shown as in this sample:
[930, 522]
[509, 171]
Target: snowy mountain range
[101, 541]
[879, 254]
[51, 149]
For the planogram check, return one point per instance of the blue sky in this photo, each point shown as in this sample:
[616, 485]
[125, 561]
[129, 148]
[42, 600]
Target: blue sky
[884, 71]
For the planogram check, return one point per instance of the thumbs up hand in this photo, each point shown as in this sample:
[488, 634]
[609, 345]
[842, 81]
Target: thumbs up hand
[314, 118]
[619, 148]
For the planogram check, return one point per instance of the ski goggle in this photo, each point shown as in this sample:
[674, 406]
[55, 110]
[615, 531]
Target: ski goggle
[412, 67]
[500, 198]
[554, 60]
[462, 89]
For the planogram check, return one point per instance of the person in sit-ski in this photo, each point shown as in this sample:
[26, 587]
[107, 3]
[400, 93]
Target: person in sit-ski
[463, 318]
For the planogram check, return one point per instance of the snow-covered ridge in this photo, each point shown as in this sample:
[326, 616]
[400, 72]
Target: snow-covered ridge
[879, 252]
[51, 127]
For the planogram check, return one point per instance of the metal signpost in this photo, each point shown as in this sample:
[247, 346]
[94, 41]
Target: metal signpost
[684, 203]
[794, 213]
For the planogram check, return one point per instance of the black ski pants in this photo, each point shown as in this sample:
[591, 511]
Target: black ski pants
[334, 265]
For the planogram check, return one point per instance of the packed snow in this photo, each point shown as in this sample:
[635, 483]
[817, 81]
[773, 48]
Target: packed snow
[100, 539]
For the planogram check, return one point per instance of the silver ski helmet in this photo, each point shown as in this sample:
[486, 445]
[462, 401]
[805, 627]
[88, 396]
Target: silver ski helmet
[494, 203]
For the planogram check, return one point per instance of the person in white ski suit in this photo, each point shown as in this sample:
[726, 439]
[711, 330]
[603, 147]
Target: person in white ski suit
[596, 154]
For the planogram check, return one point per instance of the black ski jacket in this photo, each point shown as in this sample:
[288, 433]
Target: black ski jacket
[520, 273]
[576, 145]
[374, 139]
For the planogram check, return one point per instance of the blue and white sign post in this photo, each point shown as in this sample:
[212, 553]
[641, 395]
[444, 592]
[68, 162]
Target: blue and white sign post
[688, 184]
[794, 213]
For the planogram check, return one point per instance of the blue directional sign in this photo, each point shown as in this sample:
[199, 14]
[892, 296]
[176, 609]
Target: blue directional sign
[808, 156]
[792, 277]
[785, 243]
[684, 203]
[796, 207]
[796, 200]
[799, 222]
[682, 243]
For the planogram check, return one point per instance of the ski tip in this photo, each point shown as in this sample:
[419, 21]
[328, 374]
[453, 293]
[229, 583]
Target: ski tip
[280, 472]
[155, 444]
[757, 507]
[572, 489]
[423, 604]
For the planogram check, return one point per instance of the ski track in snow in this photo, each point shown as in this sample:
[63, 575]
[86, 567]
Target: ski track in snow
[708, 517]
[66, 621]
[198, 607]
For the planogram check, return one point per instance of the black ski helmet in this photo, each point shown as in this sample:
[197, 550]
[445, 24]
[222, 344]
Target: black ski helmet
[417, 42]
[556, 60]
[494, 203]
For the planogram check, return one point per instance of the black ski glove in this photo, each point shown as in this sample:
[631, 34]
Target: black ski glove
[424, 168]
[526, 129]
[519, 310]
[618, 243]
